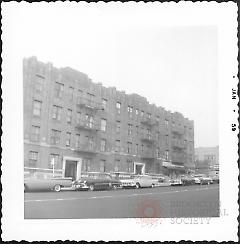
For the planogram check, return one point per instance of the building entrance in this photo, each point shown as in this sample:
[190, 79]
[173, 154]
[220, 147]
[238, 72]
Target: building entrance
[71, 169]
[139, 168]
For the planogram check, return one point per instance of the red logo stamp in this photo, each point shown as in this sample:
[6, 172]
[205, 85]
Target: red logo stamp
[149, 212]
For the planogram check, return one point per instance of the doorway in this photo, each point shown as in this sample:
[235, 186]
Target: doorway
[139, 168]
[71, 169]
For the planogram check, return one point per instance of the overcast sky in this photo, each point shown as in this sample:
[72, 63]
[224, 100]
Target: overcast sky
[173, 66]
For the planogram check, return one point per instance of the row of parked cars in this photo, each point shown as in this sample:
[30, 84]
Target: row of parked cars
[104, 181]
[200, 179]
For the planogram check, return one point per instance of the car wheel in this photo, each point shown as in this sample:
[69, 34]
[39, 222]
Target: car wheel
[137, 186]
[91, 188]
[57, 188]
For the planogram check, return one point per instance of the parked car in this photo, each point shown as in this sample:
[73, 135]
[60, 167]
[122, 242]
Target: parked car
[145, 181]
[176, 182]
[197, 179]
[55, 184]
[97, 181]
[205, 180]
[215, 179]
[187, 180]
[128, 183]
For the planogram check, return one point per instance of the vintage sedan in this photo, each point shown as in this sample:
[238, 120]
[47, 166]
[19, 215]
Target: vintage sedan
[215, 179]
[205, 180]
[145, 181]
[97, 181]
[51, 184]
[176, 182]
[128, 183]
[187, 180]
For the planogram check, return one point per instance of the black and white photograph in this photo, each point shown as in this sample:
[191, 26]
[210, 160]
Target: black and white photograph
[120, 120]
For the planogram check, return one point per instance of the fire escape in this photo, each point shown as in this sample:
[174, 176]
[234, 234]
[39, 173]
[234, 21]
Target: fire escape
[88, 124]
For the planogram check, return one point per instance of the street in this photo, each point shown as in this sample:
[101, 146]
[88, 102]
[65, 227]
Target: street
[158, 202]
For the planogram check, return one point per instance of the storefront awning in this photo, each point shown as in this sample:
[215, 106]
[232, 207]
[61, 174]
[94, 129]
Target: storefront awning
[172, 166]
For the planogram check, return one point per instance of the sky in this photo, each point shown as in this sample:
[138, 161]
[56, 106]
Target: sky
[134, 49]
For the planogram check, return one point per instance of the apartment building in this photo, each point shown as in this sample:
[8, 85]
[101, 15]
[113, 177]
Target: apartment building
[72, 125]
[207, 159]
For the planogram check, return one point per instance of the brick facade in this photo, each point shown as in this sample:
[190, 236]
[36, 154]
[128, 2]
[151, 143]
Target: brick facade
[69, 118]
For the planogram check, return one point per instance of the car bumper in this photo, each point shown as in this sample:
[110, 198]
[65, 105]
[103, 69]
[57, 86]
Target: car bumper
[128, 185]
[81, 187]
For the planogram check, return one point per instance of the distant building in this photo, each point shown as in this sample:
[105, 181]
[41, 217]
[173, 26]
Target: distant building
[207, 159]
[72, 125]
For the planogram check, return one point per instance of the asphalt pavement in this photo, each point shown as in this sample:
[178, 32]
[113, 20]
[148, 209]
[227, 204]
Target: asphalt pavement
[158, 202]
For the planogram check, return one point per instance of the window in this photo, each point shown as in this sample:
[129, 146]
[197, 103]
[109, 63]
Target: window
[118, 106]
[90, 142]
[37, 107]
[86, 165]
[130, 110]
[137, 111]
[35, 133]
[158, 152]
[69, 116]
[103, 145]
[166, 155]
[59, 88]
[137, 129]
[39, 84]
[148, 134]
[78, 118]
[79, 96]
[89, 120]
[77, 143]
[142, 113]
[158, 136]
[149, 115]
[117, 146]
[129, 166]
[129, 129]
[158, 118]
[53, 159]
[55, 137]
[166, 123]
[57, 112]
[104, 103]
[68, 139]
[103, 124]
[166, 139]
[90, 97]
[117, 165]
[71, 93]
[118, 127]
[102, 166]
[129, 147]
[137, 149]
[33, 158]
